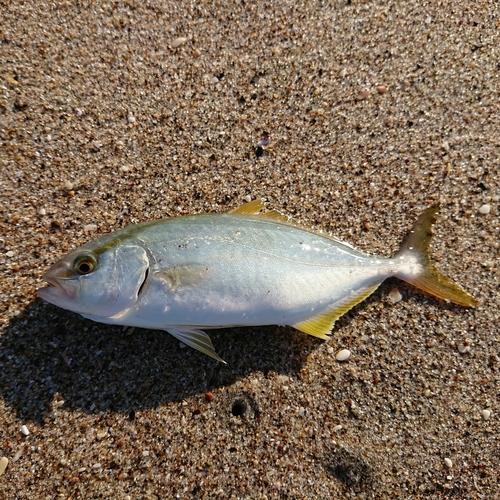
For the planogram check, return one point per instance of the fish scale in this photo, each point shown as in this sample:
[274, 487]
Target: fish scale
[251, 271]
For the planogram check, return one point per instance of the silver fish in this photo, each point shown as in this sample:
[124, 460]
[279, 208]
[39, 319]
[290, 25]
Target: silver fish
[240, 268]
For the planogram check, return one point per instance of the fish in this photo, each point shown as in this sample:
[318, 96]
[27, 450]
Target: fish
[245, 267]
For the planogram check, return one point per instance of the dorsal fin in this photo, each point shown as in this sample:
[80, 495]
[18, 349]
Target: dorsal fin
[274, 215]
[254, 208]
[250, 208]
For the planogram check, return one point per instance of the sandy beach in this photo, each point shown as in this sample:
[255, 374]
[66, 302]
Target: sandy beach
[113, 113]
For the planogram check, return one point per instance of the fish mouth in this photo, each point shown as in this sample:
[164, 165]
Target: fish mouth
[54, 292]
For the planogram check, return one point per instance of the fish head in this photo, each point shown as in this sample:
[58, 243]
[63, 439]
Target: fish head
[98, 280]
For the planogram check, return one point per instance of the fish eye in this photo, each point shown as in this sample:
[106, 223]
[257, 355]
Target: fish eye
[85, 264]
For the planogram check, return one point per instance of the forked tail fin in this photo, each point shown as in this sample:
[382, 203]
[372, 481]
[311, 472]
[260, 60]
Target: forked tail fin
[420, 271]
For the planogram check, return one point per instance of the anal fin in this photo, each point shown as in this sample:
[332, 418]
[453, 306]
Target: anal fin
[320, 325]
[197, 339]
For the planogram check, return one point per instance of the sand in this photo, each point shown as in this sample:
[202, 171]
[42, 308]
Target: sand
[113, 113]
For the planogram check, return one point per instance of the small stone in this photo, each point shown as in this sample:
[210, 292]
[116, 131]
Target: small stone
[463, 349]
[382, 89]
[178, 42]
[68, 185]
[395, 296]
[131, 118]
[12, 81]
[485, 209]
[4, 461]
[363, 94]
[337, 428]
[9, 254]
[265, 141]
[196, 53]
[42, 211]
[343, 355]
[486, 414]
[448, 463]
[25, 430]
[248, 198]
[89, 228]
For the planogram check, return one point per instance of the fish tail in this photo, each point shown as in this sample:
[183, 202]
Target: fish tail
[417, 268]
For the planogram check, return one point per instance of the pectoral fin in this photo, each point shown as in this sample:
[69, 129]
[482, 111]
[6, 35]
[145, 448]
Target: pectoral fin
[321, 324]
[197, 339]
[184, 275]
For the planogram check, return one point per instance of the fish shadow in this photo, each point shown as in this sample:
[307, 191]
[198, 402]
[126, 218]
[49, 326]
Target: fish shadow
[50, 358]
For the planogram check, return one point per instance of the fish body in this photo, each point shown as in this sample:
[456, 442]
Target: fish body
[192, 273]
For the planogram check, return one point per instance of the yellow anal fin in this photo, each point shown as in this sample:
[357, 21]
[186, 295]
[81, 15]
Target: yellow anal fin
[321, 325]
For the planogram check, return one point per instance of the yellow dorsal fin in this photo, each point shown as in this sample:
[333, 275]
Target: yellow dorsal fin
[274, 215]
[321, 325]
[254, 208]
[250, 208]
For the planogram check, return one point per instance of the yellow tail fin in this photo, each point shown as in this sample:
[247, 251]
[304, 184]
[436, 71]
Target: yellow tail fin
[424, 275]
